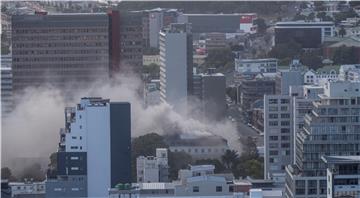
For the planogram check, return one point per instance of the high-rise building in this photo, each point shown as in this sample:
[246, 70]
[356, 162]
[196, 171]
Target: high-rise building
[153, 168]
[210, 89]
[332, 128]
[94, 149]
[59, 49]
[6, 85]
[307, 34]
[176, 80]
[278, 134]
[70, 50]
[131, 41]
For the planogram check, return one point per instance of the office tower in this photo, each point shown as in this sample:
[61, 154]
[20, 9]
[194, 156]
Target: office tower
[343, 173]
[153, 168]
[307, 34]
[176, 65]
[278, 134]
[131, 41]
[332, 128]
[94, 149]
[6, 85]
[59, 49]
[210, 89]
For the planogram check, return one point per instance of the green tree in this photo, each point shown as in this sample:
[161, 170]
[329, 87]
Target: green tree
[52, 166]
[249, 148]
[261, 25]
[338, 17]
[311, 17]
[252, 167]
[323, 17]
[345, 55]
[219, 57]
[177, 161]
[299, 17]
[288, 50]
[342, 31]
[230, 159]
[311, 59]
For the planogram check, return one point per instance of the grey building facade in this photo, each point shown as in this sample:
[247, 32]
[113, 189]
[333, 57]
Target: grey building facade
[61, 49]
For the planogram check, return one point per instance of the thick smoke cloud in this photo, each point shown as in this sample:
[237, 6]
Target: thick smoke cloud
[31, 131]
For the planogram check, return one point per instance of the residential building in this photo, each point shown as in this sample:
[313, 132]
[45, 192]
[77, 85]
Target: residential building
[349, 72]
[321, 75]
[278, 135]
[255, 66]
[38, 57]
[176, 65]
[7, 104]
[153, 169]
[343, 176]
[27, 189]
[330, 129]
[83, 151]
[307, 34]
[210, 89]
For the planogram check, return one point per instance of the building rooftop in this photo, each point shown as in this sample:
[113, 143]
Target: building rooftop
[206, 178]
[305, 23]
[155, 185]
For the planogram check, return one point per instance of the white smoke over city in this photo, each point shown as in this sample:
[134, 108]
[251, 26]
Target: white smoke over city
[31, 130]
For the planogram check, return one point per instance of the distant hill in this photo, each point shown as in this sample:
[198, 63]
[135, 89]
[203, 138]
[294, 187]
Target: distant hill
[260, 7]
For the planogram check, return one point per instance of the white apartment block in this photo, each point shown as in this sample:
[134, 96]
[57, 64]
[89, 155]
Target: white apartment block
[255, 66]
[153, 169]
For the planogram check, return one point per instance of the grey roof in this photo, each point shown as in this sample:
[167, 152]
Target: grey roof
[353, 159]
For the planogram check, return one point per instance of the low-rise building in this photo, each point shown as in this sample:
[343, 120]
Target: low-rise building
[151, 59]
[255, 66]
[27, 189]
[153, 169]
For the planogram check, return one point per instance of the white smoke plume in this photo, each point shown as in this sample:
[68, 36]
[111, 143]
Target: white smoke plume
[31, 130]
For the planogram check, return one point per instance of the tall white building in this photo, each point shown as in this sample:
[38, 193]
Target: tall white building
[176, 65]
[153, 169]
[94, 149]
[278, 134]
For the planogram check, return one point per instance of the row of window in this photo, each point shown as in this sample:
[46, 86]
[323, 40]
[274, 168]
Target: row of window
[202, 150]
[282, 101]
[53, 30]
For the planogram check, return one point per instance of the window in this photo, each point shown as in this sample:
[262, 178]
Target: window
[74, 168]
[285, 115]
[273, 138]
[231, 188]
[285, 123]
[218, 188]
[74, 158]
[196, 189]
[273, 115]
[273, 152]
[273, 123]
[74, 147]
[285, 101]
[283, 108]
[272, 101]
[273, 108]
[73, 137]
[285, 130]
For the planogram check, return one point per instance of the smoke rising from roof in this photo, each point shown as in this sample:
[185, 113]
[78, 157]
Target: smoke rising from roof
[32, 129]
